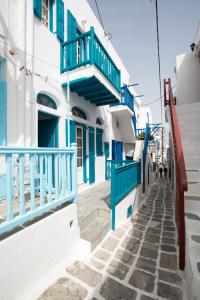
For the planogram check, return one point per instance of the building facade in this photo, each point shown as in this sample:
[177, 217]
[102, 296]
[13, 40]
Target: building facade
[46, 45]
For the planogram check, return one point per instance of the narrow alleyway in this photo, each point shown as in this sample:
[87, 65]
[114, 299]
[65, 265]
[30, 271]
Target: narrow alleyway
[137, 261]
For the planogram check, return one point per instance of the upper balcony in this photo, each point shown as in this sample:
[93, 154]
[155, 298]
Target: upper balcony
[93, 74]
[124, 111]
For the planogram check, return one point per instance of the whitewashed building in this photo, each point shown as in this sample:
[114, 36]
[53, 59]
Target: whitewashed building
[61, 83]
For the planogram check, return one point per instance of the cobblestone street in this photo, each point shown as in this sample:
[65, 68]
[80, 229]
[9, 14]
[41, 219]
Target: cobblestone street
[137, 261]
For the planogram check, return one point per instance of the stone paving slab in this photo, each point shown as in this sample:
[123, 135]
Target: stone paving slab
[64, 289]
[137, 261]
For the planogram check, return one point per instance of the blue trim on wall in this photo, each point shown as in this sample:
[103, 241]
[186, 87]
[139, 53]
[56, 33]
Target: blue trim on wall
[91, 156]
[37, 7]
[60, 20]
[51, 15]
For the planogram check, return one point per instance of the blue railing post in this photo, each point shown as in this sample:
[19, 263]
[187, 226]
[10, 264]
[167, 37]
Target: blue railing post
[112, 196]
[9, 187]
[92, 45]
[21, 183]
[74, 171]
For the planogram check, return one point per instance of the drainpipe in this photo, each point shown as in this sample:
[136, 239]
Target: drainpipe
[68, 111]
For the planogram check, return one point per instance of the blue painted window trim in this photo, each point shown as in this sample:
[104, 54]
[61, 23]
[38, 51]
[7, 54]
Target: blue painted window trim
[51, 15]
[37, 7]
[41, 98]
[106, 149]
[99, 142]
[91, 156]
[60, 20]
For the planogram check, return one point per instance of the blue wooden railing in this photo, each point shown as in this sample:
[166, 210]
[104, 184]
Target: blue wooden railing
[144, 153]
[37, 180]
[87, 49]
[117, 163]
[127, 98]
[123, 180]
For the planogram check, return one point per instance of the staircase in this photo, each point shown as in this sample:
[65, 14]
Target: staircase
[189, 121]
[94, 213]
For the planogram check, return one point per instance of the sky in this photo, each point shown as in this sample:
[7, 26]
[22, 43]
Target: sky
[132, 24]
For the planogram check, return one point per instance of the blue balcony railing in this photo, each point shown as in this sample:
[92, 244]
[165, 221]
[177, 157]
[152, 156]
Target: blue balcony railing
[85, 50]
[36, 180]
[117, 163]
[127, 98]
[124, 179]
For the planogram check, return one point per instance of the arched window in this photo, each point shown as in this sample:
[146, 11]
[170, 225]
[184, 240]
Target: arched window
[46, 101]
[99, 121]
[77, 112]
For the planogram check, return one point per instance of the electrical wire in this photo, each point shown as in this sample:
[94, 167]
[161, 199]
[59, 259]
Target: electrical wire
[24, 52]
[157, 99]
[100, 16]
[158, 50]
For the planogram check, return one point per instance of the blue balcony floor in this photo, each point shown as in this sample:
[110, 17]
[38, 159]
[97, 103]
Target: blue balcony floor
[92, 90]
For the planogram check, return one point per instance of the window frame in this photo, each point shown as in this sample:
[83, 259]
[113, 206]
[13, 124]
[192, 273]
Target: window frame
[79, 147]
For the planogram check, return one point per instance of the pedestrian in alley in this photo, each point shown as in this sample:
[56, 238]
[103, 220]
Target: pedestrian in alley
[161, 171]
[165, 171]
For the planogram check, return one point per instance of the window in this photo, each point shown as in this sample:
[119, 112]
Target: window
[46, 101]
[79, 141]
[77, 112]
[45, 12]
[99, 142]
[99, 121]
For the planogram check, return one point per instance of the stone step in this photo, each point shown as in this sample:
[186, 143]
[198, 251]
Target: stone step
[192, 269]
[96, 231]
[192, 163]
[191, 150]
[193, 192]
[190, 107]
[193, 176]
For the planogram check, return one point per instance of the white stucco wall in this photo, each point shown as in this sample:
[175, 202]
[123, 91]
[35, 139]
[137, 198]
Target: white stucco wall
[27, 260]
[121, 209]
[187, 78]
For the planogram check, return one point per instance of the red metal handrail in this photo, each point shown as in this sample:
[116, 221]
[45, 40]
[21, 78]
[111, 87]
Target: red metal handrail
[181, 177]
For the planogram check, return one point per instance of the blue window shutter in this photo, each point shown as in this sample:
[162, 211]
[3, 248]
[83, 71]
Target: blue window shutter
[99, 142]
[91, 156]
[84, 156]
[60, 20]
[119, 150]
[51, 15]
[37, 7]
[3, 113]
[71, 34]
[71, 26]
[72, 132]
[106, 149]
[113, 150]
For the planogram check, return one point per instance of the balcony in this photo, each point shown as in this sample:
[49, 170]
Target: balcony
[93, 74]
[124, 112]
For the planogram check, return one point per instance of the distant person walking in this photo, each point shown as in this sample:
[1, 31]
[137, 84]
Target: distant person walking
[161, 171]
[165, 171]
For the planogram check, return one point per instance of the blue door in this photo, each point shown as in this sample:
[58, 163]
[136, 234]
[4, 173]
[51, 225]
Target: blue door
[47, 130]
[91, 156]
[117, 150]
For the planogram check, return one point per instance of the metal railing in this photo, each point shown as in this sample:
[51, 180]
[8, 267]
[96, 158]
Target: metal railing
[181, 177]
[87, 49]
[37, 180]
[124, 179]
